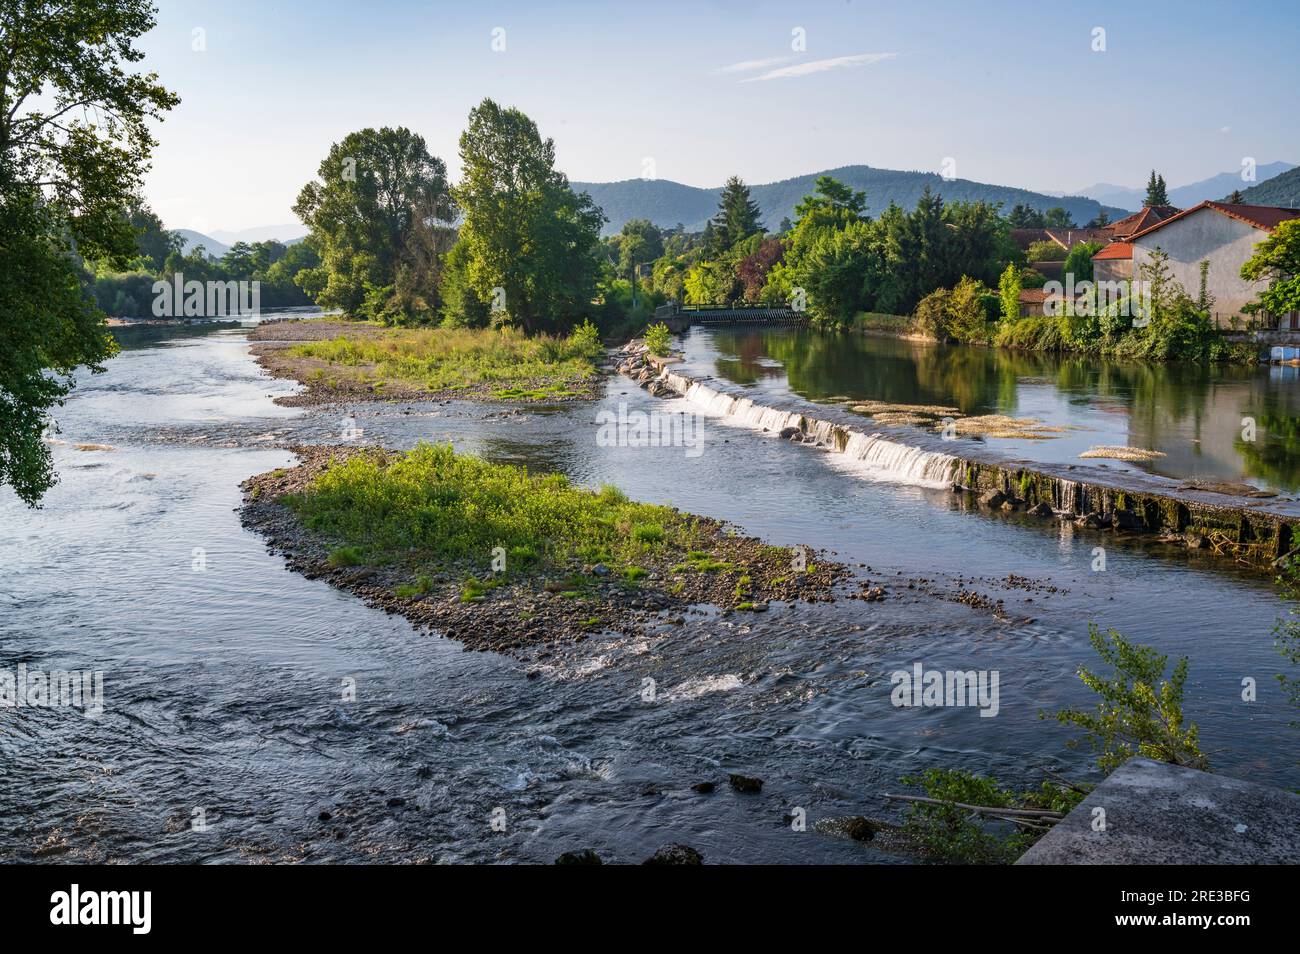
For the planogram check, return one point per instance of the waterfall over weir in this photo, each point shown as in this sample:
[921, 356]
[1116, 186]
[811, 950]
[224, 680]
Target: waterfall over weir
[868, 455]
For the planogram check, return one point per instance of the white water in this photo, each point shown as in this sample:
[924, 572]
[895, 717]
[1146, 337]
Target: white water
[870, 456]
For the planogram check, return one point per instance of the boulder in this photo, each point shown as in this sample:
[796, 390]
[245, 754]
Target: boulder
[993, 499]
[704, 788]
[1128, 520]
[675, 855]
[790, 433]
[1093, 521]
[584, 857]
[1041, 510]
[743, 783]
[859, 828]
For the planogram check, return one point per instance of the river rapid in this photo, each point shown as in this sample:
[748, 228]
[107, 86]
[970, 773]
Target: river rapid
[228, 734]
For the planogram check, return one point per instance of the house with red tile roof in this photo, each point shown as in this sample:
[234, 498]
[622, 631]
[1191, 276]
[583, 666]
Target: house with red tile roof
[1222, 233]
[1141, 220]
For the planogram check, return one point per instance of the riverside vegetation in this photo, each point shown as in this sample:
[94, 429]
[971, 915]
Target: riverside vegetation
[964, 817]
[368, 361]
[500, 558]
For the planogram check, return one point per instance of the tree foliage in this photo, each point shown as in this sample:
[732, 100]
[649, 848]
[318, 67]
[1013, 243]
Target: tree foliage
[526, 233]
[1140, 712]
[379, 212]
[738, 215]
[1157, 193]
[74, 144]
[1276, 260]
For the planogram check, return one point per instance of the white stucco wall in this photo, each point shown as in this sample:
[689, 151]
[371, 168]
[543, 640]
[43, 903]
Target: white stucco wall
[1207, 234]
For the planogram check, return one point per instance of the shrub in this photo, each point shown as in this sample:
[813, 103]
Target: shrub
[584, 341]
[1139, 712]
[345, 556]
[659, 340]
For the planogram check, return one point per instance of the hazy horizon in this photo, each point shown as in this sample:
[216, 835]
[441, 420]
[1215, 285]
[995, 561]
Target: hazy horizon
[1014, 94]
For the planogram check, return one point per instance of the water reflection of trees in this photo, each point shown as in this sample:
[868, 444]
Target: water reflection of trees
[1274, 455]
[1192, 410]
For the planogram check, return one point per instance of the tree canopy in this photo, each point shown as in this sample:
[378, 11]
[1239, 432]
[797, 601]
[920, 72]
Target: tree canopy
[1157, 193]
[528, 245]
[380, 213]
[1277, 261]
[74, 144]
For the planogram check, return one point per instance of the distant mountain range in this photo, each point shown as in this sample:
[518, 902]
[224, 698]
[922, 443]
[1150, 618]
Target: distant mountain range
[1184, 197]
[666, 203]
[219, 242]
[1283, 190]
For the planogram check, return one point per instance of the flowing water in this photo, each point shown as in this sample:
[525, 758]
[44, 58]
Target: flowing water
[1194, 415]
[226, 735]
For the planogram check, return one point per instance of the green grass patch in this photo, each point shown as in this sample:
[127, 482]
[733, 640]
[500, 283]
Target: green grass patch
[438, 505]
[648, 533]
[420, 587]
[514, 365]
[345, 556]
[701, 561]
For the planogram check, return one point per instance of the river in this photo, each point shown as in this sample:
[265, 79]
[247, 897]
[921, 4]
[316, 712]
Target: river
[226, 737]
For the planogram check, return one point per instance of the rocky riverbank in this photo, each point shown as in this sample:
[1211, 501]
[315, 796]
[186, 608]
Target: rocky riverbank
[552, 604]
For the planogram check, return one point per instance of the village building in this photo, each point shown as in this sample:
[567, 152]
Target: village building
[1224, 234]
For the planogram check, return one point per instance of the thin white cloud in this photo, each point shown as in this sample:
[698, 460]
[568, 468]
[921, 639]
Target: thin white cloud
[821, 66]
[745, 66]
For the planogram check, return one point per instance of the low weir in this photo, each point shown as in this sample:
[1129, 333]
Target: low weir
[1256, 531]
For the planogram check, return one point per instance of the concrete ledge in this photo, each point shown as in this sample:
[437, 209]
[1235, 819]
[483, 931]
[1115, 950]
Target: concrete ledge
[1158, 814]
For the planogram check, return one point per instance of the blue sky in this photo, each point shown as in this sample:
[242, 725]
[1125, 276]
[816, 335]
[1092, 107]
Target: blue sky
[1013, 92]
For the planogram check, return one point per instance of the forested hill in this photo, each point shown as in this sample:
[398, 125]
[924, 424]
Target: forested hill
[667, 203]
[1283, 190]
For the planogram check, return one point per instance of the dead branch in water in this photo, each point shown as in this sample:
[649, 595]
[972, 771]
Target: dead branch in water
[1039, 814]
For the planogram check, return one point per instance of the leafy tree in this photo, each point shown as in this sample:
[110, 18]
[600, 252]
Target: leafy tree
[1140, 713]
[1157, 194]
[837, 271]
[74, 144]
[711, 283]
[1276, 260]
[640, 242]
[1079, 261]
[831, 203]
[1009, 293]
[1100, 220]
[525, 231]
[379, 200]
[738, 215]
[1236, 197]
[752, 270]
[1023, 216]
[153, 241]
[1045, 251]
[1058, 218]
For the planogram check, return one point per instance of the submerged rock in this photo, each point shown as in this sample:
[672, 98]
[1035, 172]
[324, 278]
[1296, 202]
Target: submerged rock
[1128, 520]
[790, 433]
[675, 855]
[1093, 521]
[744, 783]
[704, 788]
[584, 857]
[1041, 510]
[859, 828]
[993, 499]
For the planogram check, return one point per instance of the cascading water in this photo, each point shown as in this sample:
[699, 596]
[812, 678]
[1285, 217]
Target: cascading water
[867, 455]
